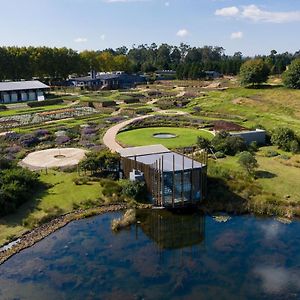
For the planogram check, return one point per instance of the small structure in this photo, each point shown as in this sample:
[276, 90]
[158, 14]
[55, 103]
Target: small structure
[20, 91]
[172, 179]
[258, 136]
[212, 75]
[107, 81]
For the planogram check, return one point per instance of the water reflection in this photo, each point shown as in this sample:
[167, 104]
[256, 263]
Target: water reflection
[172, 231]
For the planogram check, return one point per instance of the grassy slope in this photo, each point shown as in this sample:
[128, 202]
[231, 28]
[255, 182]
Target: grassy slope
[63, 194]
[142, 137]
[270, 107]
[276, 179]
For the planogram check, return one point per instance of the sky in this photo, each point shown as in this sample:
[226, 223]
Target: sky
[250, 26]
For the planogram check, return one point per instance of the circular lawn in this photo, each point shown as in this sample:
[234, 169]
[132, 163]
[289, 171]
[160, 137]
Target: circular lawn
[183, 137]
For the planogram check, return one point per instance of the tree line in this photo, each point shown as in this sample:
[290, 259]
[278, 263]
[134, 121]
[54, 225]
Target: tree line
[189, 62]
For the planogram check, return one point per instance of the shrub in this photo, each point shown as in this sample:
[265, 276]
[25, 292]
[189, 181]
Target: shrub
[203, 143]
[110, 188]
[229, 145]
[134, 189]
[220, 154]
[295, 146]
[282, 137]
[3, 107]
[247, 161]
[271, 153]
[44, 103]
[81, 180]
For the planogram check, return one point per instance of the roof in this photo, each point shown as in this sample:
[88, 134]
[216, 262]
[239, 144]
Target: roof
[149, 155]
[22, 85]
[143, 150]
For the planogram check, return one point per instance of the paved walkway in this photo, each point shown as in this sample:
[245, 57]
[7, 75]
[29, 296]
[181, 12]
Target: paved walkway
[109, 138]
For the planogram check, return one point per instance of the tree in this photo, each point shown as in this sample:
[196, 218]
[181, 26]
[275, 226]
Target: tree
[291, 77]
[247, 161]
[253, 72]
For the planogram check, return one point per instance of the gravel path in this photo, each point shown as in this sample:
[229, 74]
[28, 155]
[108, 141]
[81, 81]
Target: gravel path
[109, 138]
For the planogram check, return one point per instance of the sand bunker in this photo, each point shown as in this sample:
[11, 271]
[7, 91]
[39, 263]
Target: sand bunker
[53, 158]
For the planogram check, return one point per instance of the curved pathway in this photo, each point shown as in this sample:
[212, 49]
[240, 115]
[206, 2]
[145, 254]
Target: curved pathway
[109, 138]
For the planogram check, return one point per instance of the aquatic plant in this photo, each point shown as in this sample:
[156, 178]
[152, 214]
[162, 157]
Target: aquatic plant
[128, 218]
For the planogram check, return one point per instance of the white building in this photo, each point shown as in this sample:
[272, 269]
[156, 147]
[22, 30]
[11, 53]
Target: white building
[20, 91]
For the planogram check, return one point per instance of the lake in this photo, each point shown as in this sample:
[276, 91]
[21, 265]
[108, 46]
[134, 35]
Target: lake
[164, 256]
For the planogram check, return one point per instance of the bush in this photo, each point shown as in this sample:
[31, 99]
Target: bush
[16, 186]
[44, 103]
[283, 137]
[295, 146]
[203, 143]
[3, 107]
[134, 189]
[248, 161]
[271, 153]
[220, 154]
[229, 145]
[110, 188]
[81, 180]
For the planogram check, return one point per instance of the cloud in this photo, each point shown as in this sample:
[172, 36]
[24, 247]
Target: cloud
[80, 40]
[236, 35]
[183, 33]
[102, 37]
[167, 4]
[227, 11]
[277, 280]
[256, 14]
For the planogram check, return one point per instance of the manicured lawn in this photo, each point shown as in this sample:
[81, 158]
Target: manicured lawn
[185, 137]
[62, 195]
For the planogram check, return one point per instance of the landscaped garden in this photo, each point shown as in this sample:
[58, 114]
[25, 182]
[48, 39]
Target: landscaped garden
[181, 137]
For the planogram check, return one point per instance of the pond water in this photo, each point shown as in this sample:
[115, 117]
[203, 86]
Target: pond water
[163, 257]
[164, 136]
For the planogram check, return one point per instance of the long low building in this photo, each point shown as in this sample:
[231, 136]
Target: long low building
[108, 81]
[20, 91]
[173, 180]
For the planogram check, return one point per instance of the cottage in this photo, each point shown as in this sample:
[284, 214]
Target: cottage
[19, 91]
[172, 179]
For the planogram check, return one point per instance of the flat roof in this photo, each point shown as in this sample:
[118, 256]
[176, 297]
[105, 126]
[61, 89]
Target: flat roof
[22, 85]
[143, 150]
[149, 155]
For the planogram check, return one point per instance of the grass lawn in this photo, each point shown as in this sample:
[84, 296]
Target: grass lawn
[273, 175]
[62, 195]
[185, 137]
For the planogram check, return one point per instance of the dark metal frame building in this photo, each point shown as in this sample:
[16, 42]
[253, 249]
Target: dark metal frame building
[172, 179]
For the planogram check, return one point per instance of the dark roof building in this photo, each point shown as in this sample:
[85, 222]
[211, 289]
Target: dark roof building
[18, 91]
[109, 81]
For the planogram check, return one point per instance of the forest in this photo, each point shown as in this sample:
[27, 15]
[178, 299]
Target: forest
[189, 62]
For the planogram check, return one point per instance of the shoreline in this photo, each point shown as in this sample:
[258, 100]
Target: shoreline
[32, 237]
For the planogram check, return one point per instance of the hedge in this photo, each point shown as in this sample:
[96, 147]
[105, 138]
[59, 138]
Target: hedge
[45, 102]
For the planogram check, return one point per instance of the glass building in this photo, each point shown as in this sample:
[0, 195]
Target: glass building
[172, 179]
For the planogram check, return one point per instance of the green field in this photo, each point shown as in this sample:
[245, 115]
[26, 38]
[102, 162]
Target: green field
[61, 195]
[185, 137]
[270, 107]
